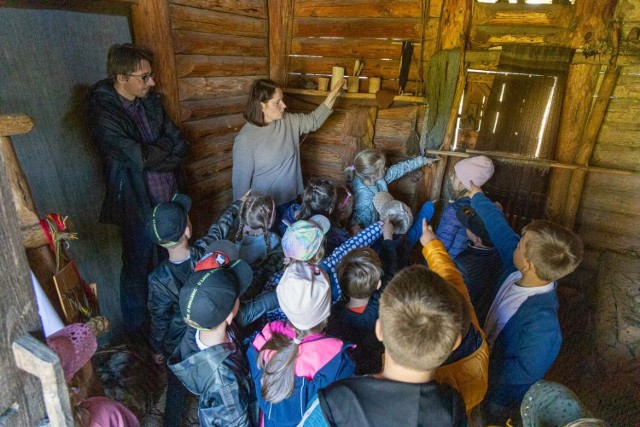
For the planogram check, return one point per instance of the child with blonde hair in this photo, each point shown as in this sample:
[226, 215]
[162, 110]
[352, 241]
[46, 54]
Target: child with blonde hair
[368, 175]
[522, 326]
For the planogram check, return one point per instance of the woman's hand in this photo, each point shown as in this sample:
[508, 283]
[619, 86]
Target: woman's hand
[335, 91]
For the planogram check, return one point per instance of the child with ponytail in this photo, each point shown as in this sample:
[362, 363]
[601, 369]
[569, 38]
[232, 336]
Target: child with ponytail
[291, 360]
[368, 176]
[318, 198]
[253, 239]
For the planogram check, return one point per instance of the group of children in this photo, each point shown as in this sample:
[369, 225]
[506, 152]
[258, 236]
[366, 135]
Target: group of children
[271, 324]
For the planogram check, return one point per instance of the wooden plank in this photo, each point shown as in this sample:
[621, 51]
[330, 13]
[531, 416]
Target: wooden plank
[454, 24]
[196, 43]
[363, 96]
[210, 87]
[609, 241]
[254, 8]
[205, 212]
[488, 36]
[280, 18]
[210, 145]
[358, 8]
[150, 22]
[435, 8]
[36, 358]
[504, 14]
[386, 69]
[18, 313]
[192, 19]
[196, 110]
[212, 186]
[207, 169]
[620, 134]
[590, 22]
[397, 28]
[616, 157]
[598, 184]
[578, 96]
[351, 47]
[609, 222]
[628, 85]
[220, 125]
[215, 66]
[625, 110]
[15, 124]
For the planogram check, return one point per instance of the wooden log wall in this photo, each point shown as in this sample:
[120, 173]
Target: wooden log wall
[330, 33]
[220, 47]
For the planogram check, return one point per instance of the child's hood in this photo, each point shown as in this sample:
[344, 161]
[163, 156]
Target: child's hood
[315, 351]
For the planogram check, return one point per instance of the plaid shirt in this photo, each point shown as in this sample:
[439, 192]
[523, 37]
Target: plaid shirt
[160, 185]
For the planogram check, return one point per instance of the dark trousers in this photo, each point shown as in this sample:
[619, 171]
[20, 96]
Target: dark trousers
[176, 399]
[137, 261]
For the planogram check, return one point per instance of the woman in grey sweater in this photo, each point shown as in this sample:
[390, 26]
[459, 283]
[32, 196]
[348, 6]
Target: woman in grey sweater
[266, 153]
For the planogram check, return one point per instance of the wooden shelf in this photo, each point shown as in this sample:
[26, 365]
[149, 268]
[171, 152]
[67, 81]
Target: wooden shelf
[347, 95]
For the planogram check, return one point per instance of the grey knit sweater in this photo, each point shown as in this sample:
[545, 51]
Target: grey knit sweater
[267, 158]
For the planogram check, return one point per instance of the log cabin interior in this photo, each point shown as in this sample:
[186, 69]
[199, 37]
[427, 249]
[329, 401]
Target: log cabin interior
[547, 89]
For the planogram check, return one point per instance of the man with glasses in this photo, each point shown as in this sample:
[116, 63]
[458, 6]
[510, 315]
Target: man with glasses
[141, 150]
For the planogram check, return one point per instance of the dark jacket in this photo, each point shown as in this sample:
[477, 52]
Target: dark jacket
[221, 378]
[369, 401]
[165, 282]
[126, 156]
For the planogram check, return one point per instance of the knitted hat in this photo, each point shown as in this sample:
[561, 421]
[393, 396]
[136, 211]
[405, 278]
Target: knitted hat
[169, 220]
[303, 238]
[549, 404]
[478, 169]
[398, 213]
[211, 291]
[75, 345]
[472, 221]
[304, 294]
[380, 198]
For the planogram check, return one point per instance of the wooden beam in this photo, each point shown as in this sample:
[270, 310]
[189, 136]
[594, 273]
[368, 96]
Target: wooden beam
[18, 312]
[591, 130]
[37, 359]
[505, 14]
[15, 124]
[152, 29]
[543, 162]
[590, 22]
[589, 140]
[578, 99]
[280, 19]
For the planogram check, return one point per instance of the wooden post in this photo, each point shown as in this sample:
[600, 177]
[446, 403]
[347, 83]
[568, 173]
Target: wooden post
[18, 313]
[590, 22]
[454, 26]
[280, 19]
[32, 235]
[37, 359]
[578, 99]
[589, 141]
[152, 29]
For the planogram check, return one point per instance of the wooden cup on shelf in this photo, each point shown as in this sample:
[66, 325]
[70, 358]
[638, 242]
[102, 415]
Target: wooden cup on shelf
[353, 84]
[323, 84]
[374, 84]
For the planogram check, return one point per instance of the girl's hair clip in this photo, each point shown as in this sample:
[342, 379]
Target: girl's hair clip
[351, 167]
[296, 341]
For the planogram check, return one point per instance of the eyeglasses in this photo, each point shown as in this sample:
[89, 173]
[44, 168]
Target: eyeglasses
[144, 77]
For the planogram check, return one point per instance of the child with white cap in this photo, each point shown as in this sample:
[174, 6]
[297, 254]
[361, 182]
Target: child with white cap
[291, 360]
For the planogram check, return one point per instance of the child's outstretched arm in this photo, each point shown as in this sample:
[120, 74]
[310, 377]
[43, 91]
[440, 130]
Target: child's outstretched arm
[502, 235]
[401, 169]
[363, 239]
[426, 212]
[440, 262]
